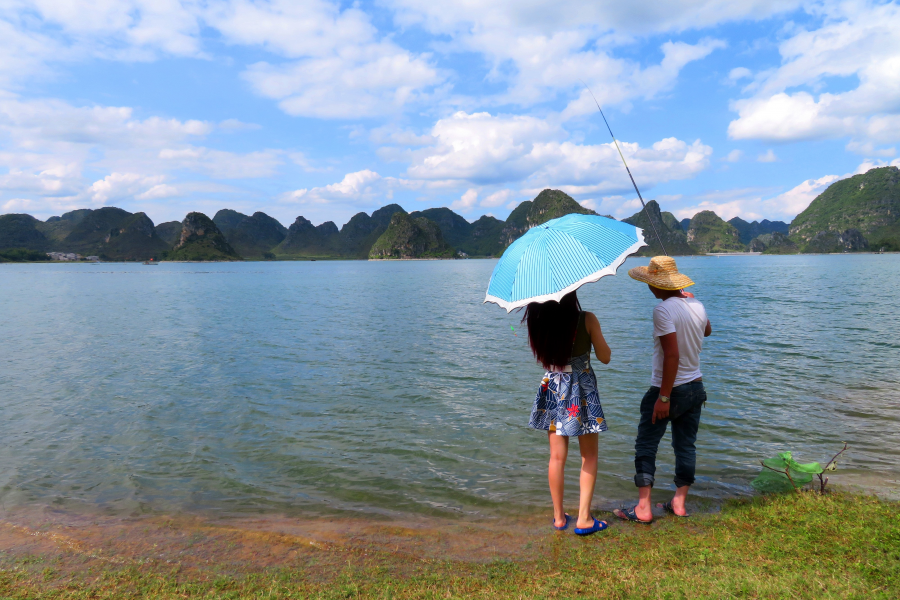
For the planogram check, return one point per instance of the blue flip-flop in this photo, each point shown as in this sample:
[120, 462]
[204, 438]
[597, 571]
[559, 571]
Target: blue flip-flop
[597, 526]
[628, 515]
[564, 527]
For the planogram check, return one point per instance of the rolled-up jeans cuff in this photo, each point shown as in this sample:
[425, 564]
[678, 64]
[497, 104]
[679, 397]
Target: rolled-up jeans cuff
[643, 480]
[683, 482]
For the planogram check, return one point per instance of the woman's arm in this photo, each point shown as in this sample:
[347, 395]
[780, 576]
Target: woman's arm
[601, 348]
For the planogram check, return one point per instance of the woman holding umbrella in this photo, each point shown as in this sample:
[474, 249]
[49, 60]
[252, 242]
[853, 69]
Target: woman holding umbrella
[541, 271]
[567, 404]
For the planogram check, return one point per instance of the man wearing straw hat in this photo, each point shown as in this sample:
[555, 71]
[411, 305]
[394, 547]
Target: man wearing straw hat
[676, 393]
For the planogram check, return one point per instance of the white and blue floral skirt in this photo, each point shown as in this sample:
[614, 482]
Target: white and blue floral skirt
[567, 402]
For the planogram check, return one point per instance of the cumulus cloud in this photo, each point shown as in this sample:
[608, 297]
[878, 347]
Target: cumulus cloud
[49, 145]
[767, 156]
[484, 149]
[759, 203]
[858, 41]
[466, 202]
[339, 67]
[640, 17]
[734, 156]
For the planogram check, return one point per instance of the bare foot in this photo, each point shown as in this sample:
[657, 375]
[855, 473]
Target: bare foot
[674, 507]
[579, 524]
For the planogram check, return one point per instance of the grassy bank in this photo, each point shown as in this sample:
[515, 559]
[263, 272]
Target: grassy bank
[796, 546]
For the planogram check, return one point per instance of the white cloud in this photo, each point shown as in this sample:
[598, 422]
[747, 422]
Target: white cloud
[498, 198]
[482, 149]
[356, 82]
[639, 17]
[340, 67]
[767, 157]
[739, 73]
[734, 156]
[16, 205]
[756, 204]
[221, 164]
[116, 186]
[466, 202]
[856, 41]
[353, 187]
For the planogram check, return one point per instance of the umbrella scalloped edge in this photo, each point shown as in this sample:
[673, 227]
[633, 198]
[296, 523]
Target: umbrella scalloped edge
[557, 296]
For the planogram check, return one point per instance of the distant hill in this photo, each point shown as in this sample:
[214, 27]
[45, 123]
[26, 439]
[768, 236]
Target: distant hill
[304, 239]
[408, 237]
[549, 204]
[709, 233]
[169, 232]
[484, 237]
[354, 240]
[201, 240]
[110, 233]
[669, 228]
[868, 204]
[250, 236]
[361, 231]
[21, 231]
[773, 243]
[748, 231]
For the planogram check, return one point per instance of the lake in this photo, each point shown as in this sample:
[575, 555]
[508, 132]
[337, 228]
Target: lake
[388, 388]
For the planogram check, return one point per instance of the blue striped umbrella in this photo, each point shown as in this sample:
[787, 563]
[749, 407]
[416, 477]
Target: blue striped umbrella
[560, 256]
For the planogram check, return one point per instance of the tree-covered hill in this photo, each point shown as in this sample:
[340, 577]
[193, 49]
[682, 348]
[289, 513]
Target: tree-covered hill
[668, 227]
[408, 237]
[109, 232]
[250, 236]
[201, 240]
[748, 231]
[709, 233]
[21, 231]
[868, 203]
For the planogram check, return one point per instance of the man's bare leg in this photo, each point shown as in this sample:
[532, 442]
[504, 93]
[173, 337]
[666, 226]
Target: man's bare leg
[679, 499]
[643, 510]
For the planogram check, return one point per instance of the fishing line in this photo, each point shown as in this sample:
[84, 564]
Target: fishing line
[622, 156]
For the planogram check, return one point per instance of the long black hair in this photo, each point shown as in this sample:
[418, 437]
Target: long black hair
[551, 329]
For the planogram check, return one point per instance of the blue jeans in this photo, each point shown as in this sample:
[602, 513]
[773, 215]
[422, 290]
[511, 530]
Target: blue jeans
[684, 413]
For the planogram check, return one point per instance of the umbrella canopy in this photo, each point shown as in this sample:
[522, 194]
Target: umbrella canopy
[560, 256]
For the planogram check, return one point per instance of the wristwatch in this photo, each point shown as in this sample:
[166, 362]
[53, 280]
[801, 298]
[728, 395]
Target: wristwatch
[664, 399]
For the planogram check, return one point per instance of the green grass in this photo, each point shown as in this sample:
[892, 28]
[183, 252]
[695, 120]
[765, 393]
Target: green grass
[794, 546]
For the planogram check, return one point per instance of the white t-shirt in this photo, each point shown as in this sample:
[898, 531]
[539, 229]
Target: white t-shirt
[686, 317]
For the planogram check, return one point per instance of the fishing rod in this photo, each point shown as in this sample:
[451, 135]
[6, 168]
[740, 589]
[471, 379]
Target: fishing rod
[626, 168]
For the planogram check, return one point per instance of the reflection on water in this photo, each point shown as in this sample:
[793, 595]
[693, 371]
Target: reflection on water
[389, 387]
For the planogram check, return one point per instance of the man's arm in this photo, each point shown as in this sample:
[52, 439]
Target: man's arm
[669, 343]
[708, 331]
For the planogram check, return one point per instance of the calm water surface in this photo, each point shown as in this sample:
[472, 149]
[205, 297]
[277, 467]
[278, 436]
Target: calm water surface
[303, 387]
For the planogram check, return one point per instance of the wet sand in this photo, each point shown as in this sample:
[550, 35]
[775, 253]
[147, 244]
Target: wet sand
[319, 546]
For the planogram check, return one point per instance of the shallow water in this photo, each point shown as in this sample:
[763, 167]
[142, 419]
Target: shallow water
[359, 387]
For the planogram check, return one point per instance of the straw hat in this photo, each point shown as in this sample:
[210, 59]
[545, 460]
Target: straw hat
[662, 273]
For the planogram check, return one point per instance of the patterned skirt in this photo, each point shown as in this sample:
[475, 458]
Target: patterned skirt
[568, 403]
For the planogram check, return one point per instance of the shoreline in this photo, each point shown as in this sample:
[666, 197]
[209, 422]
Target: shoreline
[798, 545]
[283, 260]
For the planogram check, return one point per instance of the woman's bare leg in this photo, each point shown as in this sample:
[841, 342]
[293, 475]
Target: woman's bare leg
[587, 444]
[559, 450]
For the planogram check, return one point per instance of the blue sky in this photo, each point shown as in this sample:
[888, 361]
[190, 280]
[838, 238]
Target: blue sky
[325, 109]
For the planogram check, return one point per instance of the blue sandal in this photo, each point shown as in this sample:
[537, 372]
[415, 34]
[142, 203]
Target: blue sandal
[564, 527]
[628, 515]
[597, 526]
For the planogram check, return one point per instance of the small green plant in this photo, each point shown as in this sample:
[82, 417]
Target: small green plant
[783, 474]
